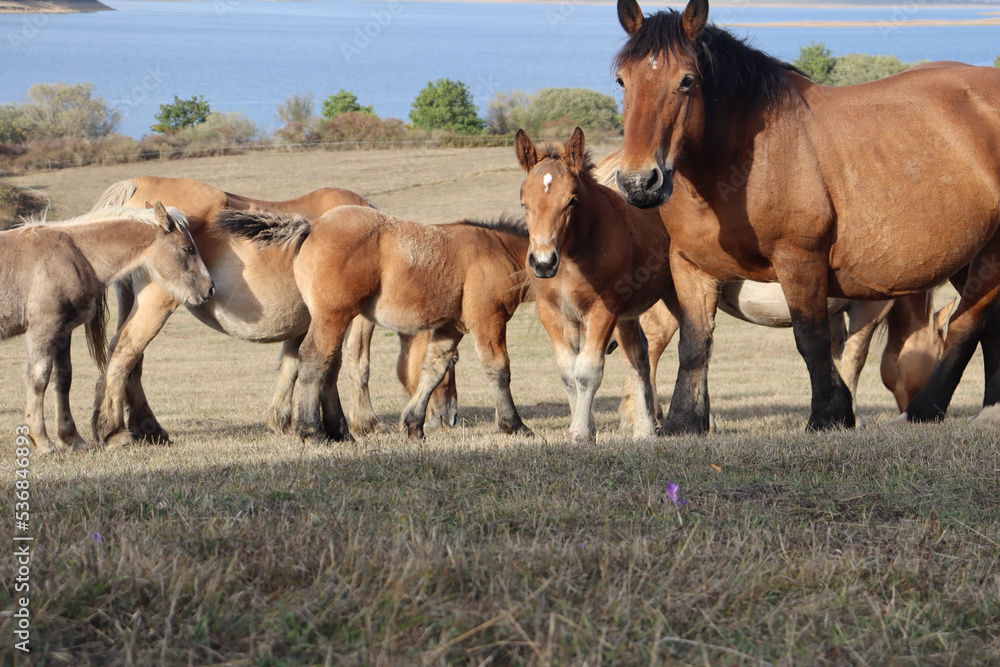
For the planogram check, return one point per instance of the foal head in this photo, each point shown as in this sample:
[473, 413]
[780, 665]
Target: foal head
[549, 196]
[173, 260]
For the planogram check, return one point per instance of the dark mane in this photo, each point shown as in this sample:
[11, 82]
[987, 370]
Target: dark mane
[502, 223]
[736, 78]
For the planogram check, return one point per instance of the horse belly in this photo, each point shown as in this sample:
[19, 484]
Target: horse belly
[256, 298]
[914, 258]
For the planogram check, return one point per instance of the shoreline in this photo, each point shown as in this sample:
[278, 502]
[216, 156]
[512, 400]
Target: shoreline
[85, 6]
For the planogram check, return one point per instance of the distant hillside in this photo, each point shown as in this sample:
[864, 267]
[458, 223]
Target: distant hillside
[51, 6]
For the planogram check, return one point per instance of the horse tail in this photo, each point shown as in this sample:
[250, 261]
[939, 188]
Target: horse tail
[265, 228]
[117, 195]
[97, 341]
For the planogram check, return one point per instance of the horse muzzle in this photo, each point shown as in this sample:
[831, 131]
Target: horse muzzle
[544, 265]
[202, 295]
[646, 189]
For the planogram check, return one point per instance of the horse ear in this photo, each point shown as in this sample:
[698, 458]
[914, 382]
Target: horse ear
[574, 149]
[629, 15]
[695, 18]
[942, 316]
[162, 217]
[525, 150]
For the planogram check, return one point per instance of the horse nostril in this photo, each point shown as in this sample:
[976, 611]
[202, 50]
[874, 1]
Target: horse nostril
[211, 291]
[653, 180]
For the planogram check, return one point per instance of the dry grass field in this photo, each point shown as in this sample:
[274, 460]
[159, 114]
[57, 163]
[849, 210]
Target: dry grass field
[235, 546]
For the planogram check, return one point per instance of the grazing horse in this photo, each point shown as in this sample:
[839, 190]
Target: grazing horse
[256, 301]
[598, 264]
[466, 277]
[54, 276]
[769, 176]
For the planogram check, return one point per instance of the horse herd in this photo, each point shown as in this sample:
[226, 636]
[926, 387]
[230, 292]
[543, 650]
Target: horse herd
[736, 170]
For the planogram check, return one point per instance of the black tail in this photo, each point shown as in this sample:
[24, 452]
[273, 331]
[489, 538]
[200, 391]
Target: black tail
[264, 227]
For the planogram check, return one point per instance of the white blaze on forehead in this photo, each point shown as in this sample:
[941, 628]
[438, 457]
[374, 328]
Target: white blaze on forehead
[547, 181]
[652, 62]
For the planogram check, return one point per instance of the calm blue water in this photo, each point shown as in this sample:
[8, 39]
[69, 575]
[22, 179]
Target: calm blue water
[251, 56]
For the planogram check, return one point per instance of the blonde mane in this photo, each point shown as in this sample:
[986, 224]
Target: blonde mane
[145, 215]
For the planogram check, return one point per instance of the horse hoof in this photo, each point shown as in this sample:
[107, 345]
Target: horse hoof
[279, 424]
[73, 441]
[414, 431]
[118, 439]
[149, 431]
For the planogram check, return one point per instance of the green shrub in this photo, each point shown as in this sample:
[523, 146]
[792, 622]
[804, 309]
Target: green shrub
[816, 61]
[446, 105]
[559, 110]
[343, 102]
[56, 110]
[13, 124]
[861, 68]
[996, 63]
[180, 114]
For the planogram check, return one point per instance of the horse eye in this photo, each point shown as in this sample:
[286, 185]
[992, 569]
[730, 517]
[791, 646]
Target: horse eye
[572, 201]
[189, 250]
[686, 83]
[621, 84]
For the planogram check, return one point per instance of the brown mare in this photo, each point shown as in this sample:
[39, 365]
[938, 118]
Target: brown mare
[54, 276]
[256, 300]
[466, 277]
[598, 264]
[769, 176]
[915, 337]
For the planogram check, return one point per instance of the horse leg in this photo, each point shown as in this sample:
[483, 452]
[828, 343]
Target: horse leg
[589, 372]
[658, 338]
[990, 343]
[566, 345]
[803, 278]
[41, 354]
[318, 414]
[694, 305]
[142, 422]
[636, 351]
[491, 346]
[863, 317]
[152, 308]
[67, 430]
[279, 415]
[965, 331]
[357, 352]
[440, 357]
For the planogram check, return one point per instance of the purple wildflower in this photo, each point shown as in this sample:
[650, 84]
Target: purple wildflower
[672, 489]
[96, 537]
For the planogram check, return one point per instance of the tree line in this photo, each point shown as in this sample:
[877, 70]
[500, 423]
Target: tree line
[61, 124]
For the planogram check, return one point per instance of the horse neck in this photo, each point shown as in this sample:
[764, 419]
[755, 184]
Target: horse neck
[592, 222]
[115, 248]
[513, 263]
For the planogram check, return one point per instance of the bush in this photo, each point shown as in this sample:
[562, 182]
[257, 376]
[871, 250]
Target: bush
[222, 129]
[343, 102]
[816, 61]
[861, 68]
[181, 114]
[62, 110]
[996, 63]
[508, 112]
[358, 126]
[446, 105]
[297, 109]
[13, 124]
[559, 110]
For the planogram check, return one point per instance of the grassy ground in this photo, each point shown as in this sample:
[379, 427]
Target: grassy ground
[235, 546]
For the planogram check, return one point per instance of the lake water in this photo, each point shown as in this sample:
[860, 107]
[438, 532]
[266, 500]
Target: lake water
[251, 56]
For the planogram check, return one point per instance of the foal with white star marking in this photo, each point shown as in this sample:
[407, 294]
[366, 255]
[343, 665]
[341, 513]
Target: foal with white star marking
[597, 264]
